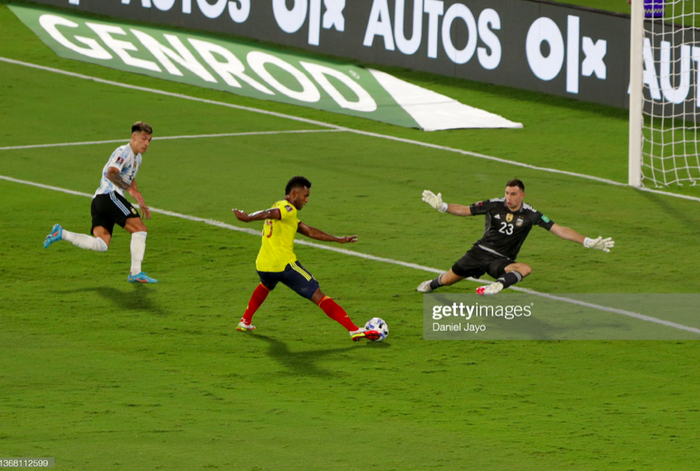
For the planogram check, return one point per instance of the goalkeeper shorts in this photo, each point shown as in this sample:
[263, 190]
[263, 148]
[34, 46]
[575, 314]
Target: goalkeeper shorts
[477, 261]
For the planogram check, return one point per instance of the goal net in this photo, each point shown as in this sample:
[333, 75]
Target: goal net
[664, 93]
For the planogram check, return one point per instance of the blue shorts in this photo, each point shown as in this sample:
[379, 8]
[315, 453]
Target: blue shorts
[294, 276]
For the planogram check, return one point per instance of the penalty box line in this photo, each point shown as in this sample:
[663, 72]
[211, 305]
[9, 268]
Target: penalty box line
[166, 138]
[342, 128]
[415, 266]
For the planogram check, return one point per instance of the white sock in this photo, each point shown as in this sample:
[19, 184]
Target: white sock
[85, 241]
[138, 249]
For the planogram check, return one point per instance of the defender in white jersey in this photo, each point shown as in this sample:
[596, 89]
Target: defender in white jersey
[109, 206]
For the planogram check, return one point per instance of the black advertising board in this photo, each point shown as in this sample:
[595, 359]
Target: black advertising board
[528, 44]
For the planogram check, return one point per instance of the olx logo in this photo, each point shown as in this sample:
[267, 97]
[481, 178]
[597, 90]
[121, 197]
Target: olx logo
[547, 66]
[291, 20]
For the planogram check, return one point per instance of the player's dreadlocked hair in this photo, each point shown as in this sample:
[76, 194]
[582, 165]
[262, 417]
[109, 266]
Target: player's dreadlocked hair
[141, 126]
[297, 182]
[516, 182]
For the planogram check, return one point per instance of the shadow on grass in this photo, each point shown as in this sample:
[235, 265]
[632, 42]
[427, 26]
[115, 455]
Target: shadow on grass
[134, 299]
[663, 204]
[303, 363]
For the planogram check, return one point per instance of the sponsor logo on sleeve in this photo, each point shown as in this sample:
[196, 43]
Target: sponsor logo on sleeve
[288, 208]
[545, 218]
[120, 160]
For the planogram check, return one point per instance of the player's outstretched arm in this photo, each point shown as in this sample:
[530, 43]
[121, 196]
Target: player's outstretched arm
[314, 233]
[436, 202]
[569, 234]
[134, 191]
[272, 213]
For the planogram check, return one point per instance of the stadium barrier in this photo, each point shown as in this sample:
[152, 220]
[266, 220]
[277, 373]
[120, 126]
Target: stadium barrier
[529, 44]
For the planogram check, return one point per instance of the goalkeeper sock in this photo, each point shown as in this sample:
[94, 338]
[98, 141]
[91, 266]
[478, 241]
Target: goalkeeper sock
[509, 279]
[85, 241]
[138, 249]
[336, 313]
[258, 297]
[435, 284]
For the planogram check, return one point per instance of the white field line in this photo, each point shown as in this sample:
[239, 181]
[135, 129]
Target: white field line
[165, 138]
[342, 128]
[254, 232]
[174, 95]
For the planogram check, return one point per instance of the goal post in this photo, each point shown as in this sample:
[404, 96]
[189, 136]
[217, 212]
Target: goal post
[664, 107]
[636, 118]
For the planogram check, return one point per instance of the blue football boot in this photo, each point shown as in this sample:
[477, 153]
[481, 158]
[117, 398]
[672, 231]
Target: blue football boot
[141, 278]
[55, 235]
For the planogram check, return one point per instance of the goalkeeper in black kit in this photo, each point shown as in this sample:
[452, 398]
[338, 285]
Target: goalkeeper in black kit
[508, 222]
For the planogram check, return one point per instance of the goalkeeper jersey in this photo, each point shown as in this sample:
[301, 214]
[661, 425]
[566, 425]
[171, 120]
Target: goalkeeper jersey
[506, 230]
[277, 250]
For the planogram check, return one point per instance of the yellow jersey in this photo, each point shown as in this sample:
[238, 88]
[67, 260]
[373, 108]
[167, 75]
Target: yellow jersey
[277, 248]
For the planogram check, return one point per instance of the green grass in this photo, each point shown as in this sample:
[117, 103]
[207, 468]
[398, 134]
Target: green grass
[105, 375]
[688, 9]
[618, 6]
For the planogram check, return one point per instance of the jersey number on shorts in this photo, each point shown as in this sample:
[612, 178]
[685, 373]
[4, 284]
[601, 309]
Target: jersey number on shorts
[506, 228]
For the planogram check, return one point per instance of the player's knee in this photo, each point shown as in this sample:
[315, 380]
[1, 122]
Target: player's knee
[525, 270]
[449, 278]
[101, 245]
[317, 296]
[135, 225]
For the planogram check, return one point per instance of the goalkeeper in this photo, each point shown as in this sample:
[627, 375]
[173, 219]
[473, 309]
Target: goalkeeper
[508, 222]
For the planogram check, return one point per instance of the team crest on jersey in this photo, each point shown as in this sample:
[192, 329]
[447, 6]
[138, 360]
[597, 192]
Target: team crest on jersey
[288, 208]
[509, 217]
[519, 222]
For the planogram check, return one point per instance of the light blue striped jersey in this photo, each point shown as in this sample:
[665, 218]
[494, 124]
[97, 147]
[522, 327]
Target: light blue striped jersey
[128, 164]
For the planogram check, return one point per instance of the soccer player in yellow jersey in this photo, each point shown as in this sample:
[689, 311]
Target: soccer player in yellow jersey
[276, 261]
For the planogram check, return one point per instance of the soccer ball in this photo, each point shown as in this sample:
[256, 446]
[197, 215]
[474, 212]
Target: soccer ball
[380, 326]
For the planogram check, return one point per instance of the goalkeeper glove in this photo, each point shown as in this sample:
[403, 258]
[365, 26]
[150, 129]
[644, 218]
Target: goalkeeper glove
[599, 244]
[434, 200]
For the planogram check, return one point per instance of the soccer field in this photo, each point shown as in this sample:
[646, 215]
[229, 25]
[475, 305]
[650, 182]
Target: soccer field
[101, 374]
